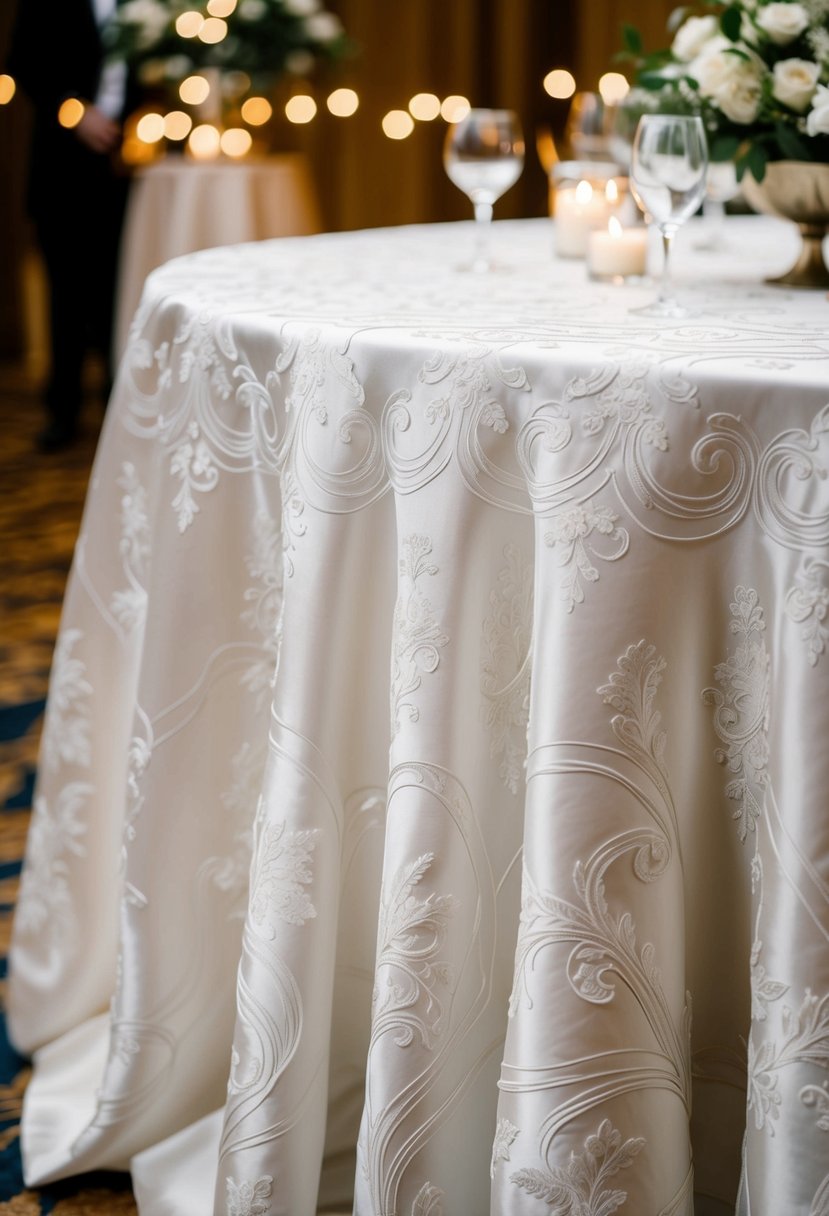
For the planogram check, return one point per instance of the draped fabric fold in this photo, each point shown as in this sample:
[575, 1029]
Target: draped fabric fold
[434, 775]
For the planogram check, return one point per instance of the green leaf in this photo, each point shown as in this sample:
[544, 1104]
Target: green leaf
[731, 21]
[724, 147]
[632, 39]
[792, 145]
[756, 161]
[652, 81]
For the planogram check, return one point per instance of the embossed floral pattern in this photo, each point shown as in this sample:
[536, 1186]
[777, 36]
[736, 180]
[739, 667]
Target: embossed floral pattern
[57, 830]
[129, 605]
[570, 534]
[192, 463]
[409, 971]
[807, 604]
[428, 1201]
[741, 710]
[249, 1198]
[418, 638]
[579, 1188]
[264, 597]
[505, 1135]
[281, 873]
[505, 666]
[66, 734]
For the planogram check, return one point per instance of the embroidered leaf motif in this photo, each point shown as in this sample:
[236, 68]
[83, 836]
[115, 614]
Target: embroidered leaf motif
[741, 711]
[805, 1040]
[808, 605]
[412, 933]
[281, 872]
[505, 1134]
[66, 730]
[45, 898]
[505, 666]
[578, 1188]
[249, 1199]
[569, 536]
[427, 1201]
[418, 638]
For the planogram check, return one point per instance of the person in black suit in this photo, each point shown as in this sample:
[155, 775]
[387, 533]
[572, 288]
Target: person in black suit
[76, 193]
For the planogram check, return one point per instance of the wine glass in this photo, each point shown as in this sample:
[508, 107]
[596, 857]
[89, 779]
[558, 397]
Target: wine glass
[586, 130]
[483, 156]
[668, 173]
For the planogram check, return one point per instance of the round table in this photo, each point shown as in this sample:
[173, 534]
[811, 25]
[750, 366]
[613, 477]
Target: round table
[433, 786]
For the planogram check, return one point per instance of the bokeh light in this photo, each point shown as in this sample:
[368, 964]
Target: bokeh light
[204, 142]
[189, 24]
[213, 30]
[454, 108]
[343, 102]
[424, 107]
[236, 141]
[194, 90]
[71, 112]
[301, 108]
[398, 124]
[177, 125]
[150, 128]
[560, 83]
[220, 8]
[256, 111]
[613, 87]
[7, 89]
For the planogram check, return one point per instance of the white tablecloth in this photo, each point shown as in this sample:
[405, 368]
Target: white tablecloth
[485, 624]
[179, 205]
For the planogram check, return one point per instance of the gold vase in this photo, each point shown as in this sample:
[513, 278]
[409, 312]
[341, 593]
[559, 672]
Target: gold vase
[799, 191]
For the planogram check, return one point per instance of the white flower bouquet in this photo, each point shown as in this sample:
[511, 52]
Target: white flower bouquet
[757, 71]
[265, 38]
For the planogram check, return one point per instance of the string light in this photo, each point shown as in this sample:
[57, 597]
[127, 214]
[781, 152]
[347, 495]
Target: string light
[560, 83]
[343, 102]
[236, 142]
[194, 90]
[424, 107]
[71, 112]
[454, 108]
[7, 89]
[177, 125]
[150, 128]
[213, 30]
[204, 142]
[189, 24]
[256, 111]
[398, 124]
[613, 87]
[301, 108]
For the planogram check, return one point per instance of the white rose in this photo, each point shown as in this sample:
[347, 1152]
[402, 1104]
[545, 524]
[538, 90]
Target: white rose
[323, 27]
[711, 68]
[252, 10]
[731, 82]
[795, 81]
[783, 22]
[692, 36]
[818, 121]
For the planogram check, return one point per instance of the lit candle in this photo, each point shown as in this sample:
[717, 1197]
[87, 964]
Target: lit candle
[617, 252]
[577, 212]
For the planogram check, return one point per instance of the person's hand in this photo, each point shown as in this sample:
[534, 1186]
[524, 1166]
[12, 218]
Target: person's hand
[97, 132]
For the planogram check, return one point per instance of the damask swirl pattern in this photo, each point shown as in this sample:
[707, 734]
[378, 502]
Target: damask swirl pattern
[441, 704]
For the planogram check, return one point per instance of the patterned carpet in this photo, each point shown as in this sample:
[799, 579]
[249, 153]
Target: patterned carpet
[40, 512]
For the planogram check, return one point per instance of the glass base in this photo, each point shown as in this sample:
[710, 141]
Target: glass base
[671, 310]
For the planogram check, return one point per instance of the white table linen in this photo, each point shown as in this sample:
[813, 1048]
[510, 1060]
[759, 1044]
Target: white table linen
[485, 623]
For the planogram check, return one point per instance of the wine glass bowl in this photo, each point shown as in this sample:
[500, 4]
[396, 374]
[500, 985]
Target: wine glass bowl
[483, 156]
[668, 180]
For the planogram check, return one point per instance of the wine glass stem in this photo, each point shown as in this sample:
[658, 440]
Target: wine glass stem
[483, 220]
[666, 290]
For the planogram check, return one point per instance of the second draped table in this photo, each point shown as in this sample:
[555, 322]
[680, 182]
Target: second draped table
[434, 774]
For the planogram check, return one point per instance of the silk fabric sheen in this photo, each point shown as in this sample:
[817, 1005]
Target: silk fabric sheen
[433, 787]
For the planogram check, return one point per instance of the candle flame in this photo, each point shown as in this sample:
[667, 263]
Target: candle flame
[584, 192]
[614, 227]
[611, 191]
